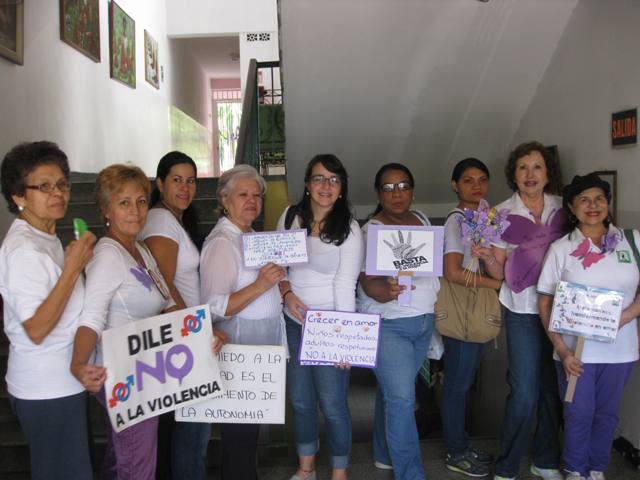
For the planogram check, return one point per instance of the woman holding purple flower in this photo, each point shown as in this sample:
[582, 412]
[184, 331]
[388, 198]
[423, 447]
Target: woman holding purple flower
[597, 254]
[536, 219]
[470, 182]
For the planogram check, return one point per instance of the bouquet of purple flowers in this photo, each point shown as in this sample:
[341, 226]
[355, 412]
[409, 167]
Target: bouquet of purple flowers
[481, 228]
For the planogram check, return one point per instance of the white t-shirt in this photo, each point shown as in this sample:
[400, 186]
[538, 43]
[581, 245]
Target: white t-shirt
[525, 301]
[610, 273]
[118, 290]
[328, 281]
[31, 262]
[423, 298]
[453, 240]
[222, 273]
[162, 223]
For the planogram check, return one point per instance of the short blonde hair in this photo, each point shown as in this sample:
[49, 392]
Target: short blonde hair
[112, 179]
[229, 178]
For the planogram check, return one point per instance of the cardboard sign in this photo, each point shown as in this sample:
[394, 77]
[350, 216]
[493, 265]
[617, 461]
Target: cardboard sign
[285, 247]
[254, 379]
[588, 312]
[330, 337]
[401, 248]
[159, 364]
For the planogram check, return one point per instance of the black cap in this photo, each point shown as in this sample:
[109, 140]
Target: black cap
[581, 183]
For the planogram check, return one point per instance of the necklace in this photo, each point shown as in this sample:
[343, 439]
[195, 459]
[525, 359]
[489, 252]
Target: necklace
[175, 214]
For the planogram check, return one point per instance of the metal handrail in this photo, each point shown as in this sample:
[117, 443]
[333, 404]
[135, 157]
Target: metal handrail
[249, 104]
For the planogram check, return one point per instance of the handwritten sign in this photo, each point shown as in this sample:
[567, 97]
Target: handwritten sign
[402, 248]
[588, 312]
[254, 381]
[332, 337]
[159, 364]
[282, 248]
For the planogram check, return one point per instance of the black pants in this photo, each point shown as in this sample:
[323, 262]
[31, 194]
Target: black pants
[239, 451]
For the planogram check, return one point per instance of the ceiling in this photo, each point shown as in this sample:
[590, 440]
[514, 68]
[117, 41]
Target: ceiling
[421, 82]
[214, 54]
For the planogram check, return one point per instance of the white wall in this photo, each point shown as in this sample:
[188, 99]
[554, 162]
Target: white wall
[594, 72]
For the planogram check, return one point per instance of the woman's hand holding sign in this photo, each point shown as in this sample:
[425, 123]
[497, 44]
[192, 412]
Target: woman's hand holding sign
[90, 376]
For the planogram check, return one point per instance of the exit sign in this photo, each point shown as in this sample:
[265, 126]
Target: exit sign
[624, 129]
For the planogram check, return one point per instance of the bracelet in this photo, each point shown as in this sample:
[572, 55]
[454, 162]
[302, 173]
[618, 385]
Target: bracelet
[284, 295]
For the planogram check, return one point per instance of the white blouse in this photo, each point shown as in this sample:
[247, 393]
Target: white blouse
[162, 223]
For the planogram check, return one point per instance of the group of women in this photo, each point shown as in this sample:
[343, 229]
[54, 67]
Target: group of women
[149, 262]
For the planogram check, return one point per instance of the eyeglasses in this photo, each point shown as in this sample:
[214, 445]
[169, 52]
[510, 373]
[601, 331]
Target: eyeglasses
[63, 185]
[390, 187]
[321, 180]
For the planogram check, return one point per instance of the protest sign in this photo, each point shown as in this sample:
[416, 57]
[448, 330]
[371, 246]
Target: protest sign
[286, 247]
[254, 378]
[588, 313]
[158, 364]
[401, 248]
[330, 337]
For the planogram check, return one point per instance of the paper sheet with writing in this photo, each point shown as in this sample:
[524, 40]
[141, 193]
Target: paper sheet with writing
[285, 247]
[589, 312]
[330, 337]
[254, 378]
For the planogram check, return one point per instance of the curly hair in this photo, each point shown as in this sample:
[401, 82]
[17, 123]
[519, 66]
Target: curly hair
[112, 179]
[554, 184]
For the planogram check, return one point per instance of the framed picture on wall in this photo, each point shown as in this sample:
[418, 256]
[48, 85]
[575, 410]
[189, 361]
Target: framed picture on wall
[151, 68]
[611, 176]
[80, 26]
[11, 30]
[122, 46]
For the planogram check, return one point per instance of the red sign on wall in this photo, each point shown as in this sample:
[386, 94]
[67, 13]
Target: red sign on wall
[624, 129]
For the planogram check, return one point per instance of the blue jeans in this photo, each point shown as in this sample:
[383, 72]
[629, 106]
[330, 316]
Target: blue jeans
[533, 382]
[57, 434]
[189, 442]
[308, 386]
[402, 348]
[461, 361]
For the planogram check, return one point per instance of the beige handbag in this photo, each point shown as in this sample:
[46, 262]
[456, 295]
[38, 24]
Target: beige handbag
[471, 314]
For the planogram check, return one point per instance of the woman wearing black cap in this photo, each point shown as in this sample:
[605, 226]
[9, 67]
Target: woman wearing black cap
[597, 254]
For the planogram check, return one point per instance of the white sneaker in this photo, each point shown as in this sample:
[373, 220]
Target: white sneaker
[596, 475]
[574, 476]
[547, 473]
[382, 466]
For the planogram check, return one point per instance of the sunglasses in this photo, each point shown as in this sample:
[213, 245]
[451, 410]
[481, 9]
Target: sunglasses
[390, 187]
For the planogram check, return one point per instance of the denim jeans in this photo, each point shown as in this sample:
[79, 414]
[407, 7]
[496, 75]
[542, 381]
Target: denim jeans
[189, 442]
[461, 361]
[57, 435]
[533, 382]
[402, 348]
[308, 386]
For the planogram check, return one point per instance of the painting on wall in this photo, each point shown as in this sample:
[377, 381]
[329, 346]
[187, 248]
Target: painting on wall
[80, 26]
[11, 30]
[122, 46]
[151, 68]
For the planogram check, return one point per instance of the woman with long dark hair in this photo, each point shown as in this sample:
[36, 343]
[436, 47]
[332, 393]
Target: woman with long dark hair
[327, 282]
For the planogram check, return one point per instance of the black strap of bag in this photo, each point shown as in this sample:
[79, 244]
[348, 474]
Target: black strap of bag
[628, 233]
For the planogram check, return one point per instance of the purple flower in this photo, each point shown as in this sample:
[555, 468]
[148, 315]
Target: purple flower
[483, 226]
[610, 241]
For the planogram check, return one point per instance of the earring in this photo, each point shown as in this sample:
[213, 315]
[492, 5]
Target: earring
[306, 192]
[339, 196]
[225, 212]
[20, 208]
[107, 223]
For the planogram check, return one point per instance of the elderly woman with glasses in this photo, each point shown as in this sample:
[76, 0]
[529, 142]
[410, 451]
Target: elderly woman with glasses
[123, 285]
[43, 290]
[405, 333]
[244, 302]
[327, 282]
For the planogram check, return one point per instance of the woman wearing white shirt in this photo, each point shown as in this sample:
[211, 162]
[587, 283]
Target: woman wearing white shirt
[123, 285]
[327, 282]
[245, 303]
[536, 220]
[405, 333]
[43, 289]
[597, 254]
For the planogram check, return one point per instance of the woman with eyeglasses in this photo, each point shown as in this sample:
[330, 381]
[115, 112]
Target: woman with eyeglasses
[405, 333]
[42, 287]
[327, 282]
[244, 302]
[171, 233]
[123, 285]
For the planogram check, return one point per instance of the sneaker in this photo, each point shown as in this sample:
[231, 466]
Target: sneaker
[596, 475]
[485, 458]
[466, 464]
[498, 477]
[547, 473]
[309, 476]
[574, 476]
[382, 466]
